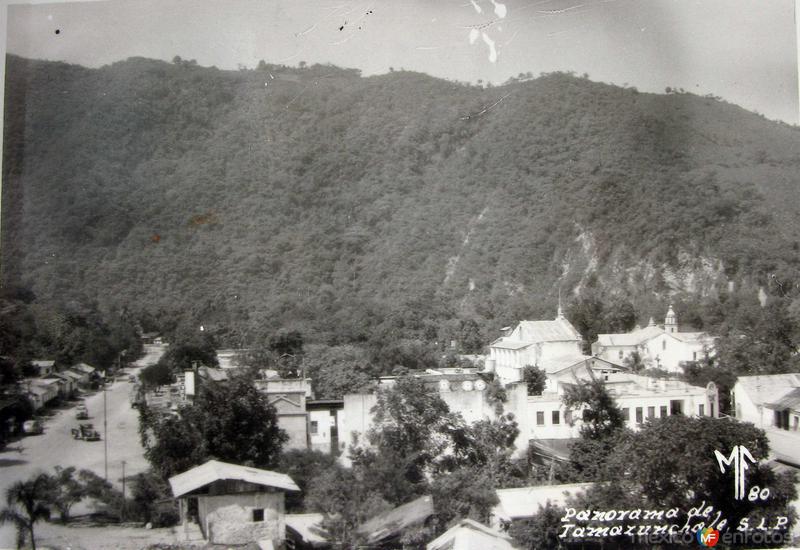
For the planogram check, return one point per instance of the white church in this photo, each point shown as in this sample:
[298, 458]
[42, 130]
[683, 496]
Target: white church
[662, 347]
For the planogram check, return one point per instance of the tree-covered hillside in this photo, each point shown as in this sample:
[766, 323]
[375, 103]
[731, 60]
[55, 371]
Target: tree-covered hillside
[318, 199]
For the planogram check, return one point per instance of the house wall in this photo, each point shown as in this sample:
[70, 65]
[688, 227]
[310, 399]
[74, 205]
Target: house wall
[472, 405]
[549, 403]
[295, 426]
[747, 411]
[321, 441]
[228, 519]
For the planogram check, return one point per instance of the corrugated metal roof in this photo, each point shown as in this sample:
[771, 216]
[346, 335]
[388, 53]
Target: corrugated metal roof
[558, 330]
[468, 534]
[43, 362]
[213, 470]
[393, 522]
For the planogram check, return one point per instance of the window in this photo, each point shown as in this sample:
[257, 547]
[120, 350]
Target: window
[664, 344]
[314, 427]
[626, 414]
[694, 356]
[651, 412]
[639, 418]
[556, 417]
[701, 410]
[663, 411]
[620, 354]
[568, 417]
[711, 410]
[540, 418]
[258, 514]
[676, 406]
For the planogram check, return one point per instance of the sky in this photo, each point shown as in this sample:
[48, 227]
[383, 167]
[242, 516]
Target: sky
[744, 51]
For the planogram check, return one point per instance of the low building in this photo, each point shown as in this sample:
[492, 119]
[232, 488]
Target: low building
[325, 416]
[465, 392]
[66, 385]
[770, 400]
[639, 397]
[41, 391]
[468, 534]
[525, 502]
[233, 504]
[663, 347]
[43, 367]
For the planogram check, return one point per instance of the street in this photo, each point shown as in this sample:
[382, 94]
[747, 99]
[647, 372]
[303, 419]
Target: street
[56, 446]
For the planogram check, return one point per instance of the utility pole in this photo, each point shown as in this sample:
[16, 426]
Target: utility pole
[105, 432]
[122, 513]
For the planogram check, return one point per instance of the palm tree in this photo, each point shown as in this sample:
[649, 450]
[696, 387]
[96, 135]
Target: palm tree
[26, 505]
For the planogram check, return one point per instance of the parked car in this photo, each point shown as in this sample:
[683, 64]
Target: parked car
[32, 427]
[82, 414]
[132, 379]
[86, 432]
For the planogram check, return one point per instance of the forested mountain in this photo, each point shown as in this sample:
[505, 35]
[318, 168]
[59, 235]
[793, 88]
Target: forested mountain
[318, 199]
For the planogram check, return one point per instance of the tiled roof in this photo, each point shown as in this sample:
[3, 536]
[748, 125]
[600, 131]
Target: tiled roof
[213, 470]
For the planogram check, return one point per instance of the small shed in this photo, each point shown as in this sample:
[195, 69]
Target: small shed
[233, 504]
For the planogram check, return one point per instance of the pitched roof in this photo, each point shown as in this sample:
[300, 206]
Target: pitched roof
[768, 388]
[557, 330]
[504, 343]
[308, 527]
[630, 338]
[527, 333]
[83, 367]
[74, 375]
[394, 521]
[524, 502]
[213, 470]
[789, 401]
[468, 534]
[43, 362]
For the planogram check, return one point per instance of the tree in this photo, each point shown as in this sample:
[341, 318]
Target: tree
[655, 469]
[303, 466]
[151, 500]
[64, 491]
[230, 421]
[464, 493]
[540, 531]
[347, 501]
[601, 416]
[337, 370]
[634, 361]
[409, 432]
[158, 374]
[535, 379]
[26, 504]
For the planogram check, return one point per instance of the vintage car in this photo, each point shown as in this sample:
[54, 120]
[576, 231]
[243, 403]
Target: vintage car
[86, 432]
[32, 427]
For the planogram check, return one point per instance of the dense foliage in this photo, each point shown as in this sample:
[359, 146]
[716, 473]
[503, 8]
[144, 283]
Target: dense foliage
[395, 206]
[230, 421]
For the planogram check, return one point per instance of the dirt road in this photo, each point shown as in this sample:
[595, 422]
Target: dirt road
[57, 447]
